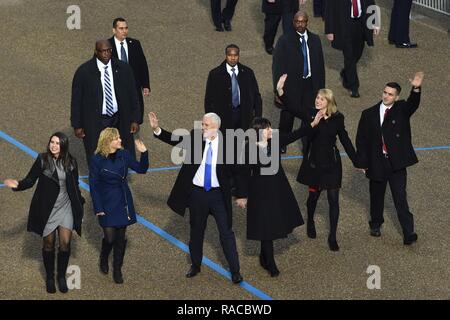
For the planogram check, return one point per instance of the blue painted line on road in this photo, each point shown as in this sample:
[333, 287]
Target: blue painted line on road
[432, 148]
[216, 267]
[19, 145]
[211, 264]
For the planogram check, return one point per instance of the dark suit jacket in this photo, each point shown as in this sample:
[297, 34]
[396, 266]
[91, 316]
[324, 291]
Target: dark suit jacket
[288, 58]
[280, 6]
[396, 131]
[337, 21]
[138, 63]
[218, 95]
[179, 196]
[87, 100]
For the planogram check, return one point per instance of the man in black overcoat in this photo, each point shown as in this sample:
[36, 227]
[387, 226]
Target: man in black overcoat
[346, 26]
[220, 89]
[384, 148]
[96, 105]
[305, 73]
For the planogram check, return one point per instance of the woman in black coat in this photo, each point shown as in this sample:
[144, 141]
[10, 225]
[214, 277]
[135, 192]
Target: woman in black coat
[321, 168]
[272, 210]
[57, 205]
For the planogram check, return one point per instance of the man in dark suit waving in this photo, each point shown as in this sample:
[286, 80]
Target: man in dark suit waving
[203, 186]
[385, 151]
[129, 50]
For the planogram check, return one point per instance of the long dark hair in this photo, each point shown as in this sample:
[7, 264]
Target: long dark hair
[65, 159]
[260, 123]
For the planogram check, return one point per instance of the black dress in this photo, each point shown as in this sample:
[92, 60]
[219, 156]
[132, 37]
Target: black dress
[272, 210]
[321, 166]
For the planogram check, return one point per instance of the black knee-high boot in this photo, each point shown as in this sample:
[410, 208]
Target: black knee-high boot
[104, 256]
[311, 204]
[49, 264]
[268, 257]
[119, 253]
[63, 262]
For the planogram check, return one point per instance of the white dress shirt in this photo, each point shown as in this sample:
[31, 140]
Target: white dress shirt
[119, 48]
[305, 38]
[236, 71]
[199, 177]
[101, 68]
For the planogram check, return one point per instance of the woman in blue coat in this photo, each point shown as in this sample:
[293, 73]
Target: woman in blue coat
[111, 196]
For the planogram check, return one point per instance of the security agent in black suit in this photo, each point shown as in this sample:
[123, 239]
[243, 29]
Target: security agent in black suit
[203, 186]
[306, 73]
[385, 150]
[132, 54]
[399, 28]
[275, 11]
[95, 105]
[222, 16]
[346, 26]
[232, 92]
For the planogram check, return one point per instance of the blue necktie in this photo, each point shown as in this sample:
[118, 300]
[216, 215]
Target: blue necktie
[123, 53]
[108, 94]
[305, 57]
[208, 167]
[234, 90]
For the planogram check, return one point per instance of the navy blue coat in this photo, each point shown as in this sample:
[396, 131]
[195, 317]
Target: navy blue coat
[109, 187]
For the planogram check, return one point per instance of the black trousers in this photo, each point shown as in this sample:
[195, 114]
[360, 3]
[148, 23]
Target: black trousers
[271, 22]
[399, 27]
[397, 183]
[226, 14]
[318, 6]
[201, 204]
[288, 115]
[353, 46]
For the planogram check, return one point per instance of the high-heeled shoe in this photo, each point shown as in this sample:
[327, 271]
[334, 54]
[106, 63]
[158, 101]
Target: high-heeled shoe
[333, 245]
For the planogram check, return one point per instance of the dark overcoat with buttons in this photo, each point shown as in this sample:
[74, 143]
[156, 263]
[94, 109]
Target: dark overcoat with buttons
[272, 209]
[396, 131]
[87, 100]
[218, 95]
[109, 187]
[321, 166]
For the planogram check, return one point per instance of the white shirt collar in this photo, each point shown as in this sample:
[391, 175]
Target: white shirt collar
[101, 66]
[236, 69]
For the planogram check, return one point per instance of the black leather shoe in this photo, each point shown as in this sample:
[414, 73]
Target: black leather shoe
[407, 45]
[269, 50]
[219, 28]
[333, 245]
[227, 25]
[375, 232]
[283, 150]
[274, 273]
[311, 229]
[410, 240]
[236, 277]
[355, 94]
[193, 271]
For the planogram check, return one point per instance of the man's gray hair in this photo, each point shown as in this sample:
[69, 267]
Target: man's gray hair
[214, 117]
